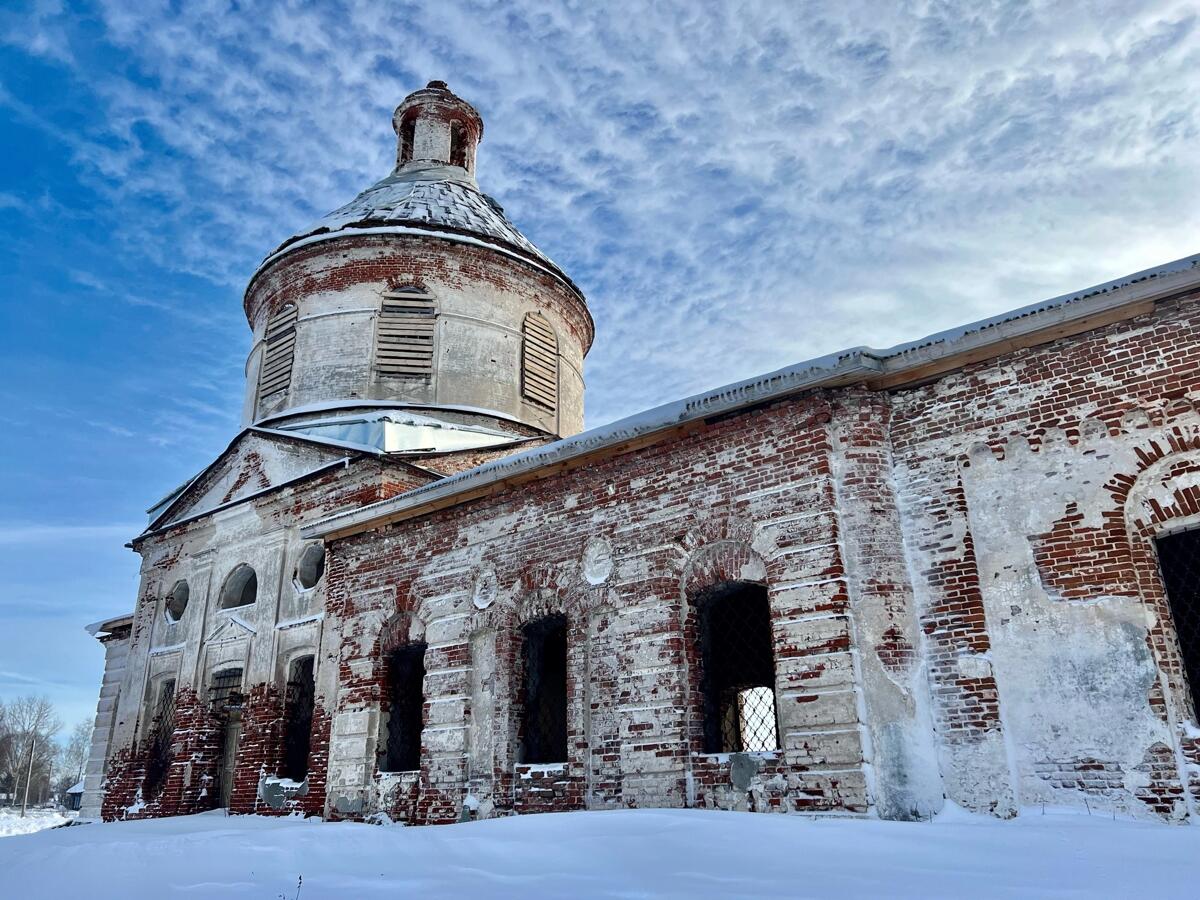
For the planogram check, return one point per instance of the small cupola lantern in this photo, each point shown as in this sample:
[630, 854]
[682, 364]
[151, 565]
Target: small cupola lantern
[436, 128]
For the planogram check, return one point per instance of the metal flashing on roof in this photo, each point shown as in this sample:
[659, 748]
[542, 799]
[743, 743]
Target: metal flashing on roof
[936, 353]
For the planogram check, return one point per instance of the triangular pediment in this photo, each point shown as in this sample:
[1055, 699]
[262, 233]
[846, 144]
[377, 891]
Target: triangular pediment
[257, 461]
[232, 629]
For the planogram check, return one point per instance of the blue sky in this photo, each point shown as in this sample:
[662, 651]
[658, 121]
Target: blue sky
[735, 186]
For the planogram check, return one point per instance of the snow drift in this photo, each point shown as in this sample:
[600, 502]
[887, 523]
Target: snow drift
[635, 853]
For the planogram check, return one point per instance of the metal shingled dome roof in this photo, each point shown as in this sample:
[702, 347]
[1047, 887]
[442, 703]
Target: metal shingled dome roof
[435, 197]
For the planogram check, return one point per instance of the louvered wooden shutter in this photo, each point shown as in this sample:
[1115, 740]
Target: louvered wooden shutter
[539, 362]
[276, 371]
[404, 337]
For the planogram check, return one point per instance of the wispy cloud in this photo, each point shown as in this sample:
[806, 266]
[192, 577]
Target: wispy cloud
[735, 186]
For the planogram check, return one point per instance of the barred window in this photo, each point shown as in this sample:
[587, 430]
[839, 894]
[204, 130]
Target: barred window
[404, 710]
[225, 691]
[162, 732]
[278, 352]
[404, 334]
[737, 666]
[544, 693]
[297, 717]
[539, 362]
[1179, 560]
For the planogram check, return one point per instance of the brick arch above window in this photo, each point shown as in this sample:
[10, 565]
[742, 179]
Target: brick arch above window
[721, 562]
[399, 629]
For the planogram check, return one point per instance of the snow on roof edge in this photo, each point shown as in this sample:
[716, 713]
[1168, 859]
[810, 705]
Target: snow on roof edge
[821, 371]
[99, 630]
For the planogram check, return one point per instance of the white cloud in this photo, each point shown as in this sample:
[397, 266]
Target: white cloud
[735, 188]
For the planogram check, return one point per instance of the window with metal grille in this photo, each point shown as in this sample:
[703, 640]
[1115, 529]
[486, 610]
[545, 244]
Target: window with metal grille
[737, 669]
[404, 711]
[1179, 560]
[539, 362]
[162, 731]
[404, 334]
[225, 692]
[278, 352]
[544, 694]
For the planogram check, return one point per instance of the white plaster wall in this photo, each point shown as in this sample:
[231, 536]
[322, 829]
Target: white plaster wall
[477, 342]
[1074, 675]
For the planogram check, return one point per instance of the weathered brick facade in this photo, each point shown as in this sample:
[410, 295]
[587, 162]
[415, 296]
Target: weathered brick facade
[955, 540]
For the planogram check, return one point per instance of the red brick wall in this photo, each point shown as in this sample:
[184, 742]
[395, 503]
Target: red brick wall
[633, 709]
[1116, 384]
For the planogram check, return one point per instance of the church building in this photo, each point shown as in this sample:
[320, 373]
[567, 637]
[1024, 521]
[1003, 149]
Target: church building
[961, 569]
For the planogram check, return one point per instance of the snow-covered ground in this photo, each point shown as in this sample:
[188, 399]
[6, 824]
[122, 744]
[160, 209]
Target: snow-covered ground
[35, 820]
[627, 854]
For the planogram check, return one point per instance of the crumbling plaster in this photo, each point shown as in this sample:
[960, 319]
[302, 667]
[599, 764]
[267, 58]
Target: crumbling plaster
[482, 299]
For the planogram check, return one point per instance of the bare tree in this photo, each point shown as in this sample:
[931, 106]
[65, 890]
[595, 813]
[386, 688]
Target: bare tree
[28, 760]
[73, 756]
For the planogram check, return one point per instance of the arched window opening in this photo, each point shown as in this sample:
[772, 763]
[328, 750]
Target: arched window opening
[241, 588]
[408, 131]
[544, 690]
[737, 665]
[311, 567]
[225, 702]
[162, 732]
[1179, 562]
[298, 716]
[539, 362]
[403, 712]
[278, 352]
[404, 334]
[177, 601]
[458, 145]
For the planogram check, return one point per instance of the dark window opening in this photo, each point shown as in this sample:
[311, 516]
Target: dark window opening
[162, 732]
[404, 710]
[458, 145]
[1179, 559]
[544, 725]
[737, 668]
[177, 601]
[225, 701]
[311, 567]
[408, 129]
[297, 718]
[240, 589]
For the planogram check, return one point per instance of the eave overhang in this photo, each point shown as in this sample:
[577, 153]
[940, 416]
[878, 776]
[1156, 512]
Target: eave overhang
[903, 366]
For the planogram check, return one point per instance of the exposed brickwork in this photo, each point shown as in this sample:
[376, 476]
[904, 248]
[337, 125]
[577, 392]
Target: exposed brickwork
[679, 517]
[1092, 401]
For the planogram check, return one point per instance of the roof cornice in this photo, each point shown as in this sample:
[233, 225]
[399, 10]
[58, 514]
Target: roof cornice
[895, 368]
